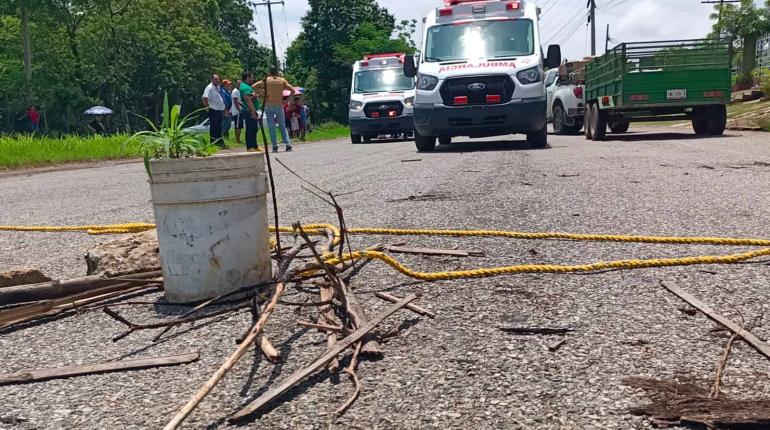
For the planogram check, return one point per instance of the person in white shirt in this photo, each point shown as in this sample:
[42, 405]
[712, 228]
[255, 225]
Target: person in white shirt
[212, 99]
[235, 111]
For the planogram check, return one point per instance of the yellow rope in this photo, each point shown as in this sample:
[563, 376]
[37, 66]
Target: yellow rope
[483, 272]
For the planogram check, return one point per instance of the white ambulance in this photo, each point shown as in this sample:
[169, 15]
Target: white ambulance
[480, 72]
[381, 98]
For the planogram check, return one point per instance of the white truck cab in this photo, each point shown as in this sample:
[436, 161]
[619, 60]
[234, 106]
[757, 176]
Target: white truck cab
[480, 72]
[381, 98]
[566, 105]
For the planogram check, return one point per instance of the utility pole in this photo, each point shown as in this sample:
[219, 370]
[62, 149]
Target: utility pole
[721, 4]
[607, 39]
[27, 49]
[272, 31]
[592, 19]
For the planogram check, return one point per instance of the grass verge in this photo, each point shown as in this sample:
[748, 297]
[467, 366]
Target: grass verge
[18, 151]
[30, 151]
[325, 131]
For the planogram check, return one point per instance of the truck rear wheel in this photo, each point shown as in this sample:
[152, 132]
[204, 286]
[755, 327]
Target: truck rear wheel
[559, 118]
[699, 121]
[355, 138]
[538, 139]
[444, 140]
[598, 123]
[620, 126]
[424, 143]
[589, 131]
[716, 120]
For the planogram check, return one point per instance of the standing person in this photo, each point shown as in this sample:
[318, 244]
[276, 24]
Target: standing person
[212, 99]
[271, 89]
[235, 111]
[33, 116]
[249, 106]
[227, 117]
[301, 112]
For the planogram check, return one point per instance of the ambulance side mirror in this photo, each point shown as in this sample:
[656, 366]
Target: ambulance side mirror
[553, 59]
[410, 68]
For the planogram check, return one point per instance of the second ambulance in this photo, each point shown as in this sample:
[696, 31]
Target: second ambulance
[480, 73]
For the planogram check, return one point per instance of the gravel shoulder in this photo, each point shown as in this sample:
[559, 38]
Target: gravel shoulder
[459, 370]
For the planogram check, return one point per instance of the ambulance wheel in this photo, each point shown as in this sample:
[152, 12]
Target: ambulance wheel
[620, 126]
[598, 123]
[589, 132]
[424, 143]
[444, 140]
[538, 139]
[716, 120]
[355, 138]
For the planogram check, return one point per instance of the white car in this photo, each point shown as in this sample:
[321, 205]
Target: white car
[566, 105]
[203, 126]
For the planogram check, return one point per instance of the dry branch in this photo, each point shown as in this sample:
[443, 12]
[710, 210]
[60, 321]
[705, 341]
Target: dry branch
[412, 307]
[90, 369]
[434, 251]
[327, 313]
[536, 330]
[56, 289]
[301, 374]
[716, 389]
[762, 347]
[284, 276]
[135, 327]
[677, 404]
[54, 307]
[321, 327]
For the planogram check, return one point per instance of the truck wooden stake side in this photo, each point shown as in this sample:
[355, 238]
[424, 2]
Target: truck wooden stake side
[659, 81]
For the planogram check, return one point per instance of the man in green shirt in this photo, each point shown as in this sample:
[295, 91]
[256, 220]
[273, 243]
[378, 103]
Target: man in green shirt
[249, 112]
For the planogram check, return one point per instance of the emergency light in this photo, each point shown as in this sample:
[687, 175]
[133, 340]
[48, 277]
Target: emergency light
[477, 6]
[383, 57]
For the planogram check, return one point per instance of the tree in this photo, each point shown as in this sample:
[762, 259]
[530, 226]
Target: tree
[742, 24]
[123, 54]
[328, 24]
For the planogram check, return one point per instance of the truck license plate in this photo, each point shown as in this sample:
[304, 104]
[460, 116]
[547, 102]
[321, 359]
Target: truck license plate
[676, 94]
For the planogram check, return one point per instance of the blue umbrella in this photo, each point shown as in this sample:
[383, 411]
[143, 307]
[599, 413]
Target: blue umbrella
[98, 110]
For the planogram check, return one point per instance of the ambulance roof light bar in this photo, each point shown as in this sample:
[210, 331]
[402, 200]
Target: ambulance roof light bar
[447, 11]
[369, 57]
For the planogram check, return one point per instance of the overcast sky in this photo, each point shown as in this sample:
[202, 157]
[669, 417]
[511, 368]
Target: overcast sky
[562, 20]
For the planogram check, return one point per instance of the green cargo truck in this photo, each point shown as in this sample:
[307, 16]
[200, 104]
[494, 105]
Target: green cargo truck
[659, 81]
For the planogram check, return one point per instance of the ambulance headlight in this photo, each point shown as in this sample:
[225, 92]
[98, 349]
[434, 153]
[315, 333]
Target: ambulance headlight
[354, 105]
[426, 82]
[409, 102]
[529, 76]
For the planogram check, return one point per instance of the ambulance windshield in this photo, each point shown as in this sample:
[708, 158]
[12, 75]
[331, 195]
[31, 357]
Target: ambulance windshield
[480, 39]
[373, 81]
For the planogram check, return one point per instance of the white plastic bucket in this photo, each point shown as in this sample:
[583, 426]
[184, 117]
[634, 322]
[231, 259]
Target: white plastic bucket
[211, 216]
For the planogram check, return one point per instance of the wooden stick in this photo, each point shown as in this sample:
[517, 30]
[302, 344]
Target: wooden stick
[412, 307]
[90, 369]
[322, 327]
[256, 329]
[134, 327]
[56, 306]
[301, 374]
[536, 330]
[762, 347]
[434, 251]
[56, 289]
[327, 313]
[352, 305]
[717, 387]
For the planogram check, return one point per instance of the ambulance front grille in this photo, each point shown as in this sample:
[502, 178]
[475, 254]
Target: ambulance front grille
[477, 88]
